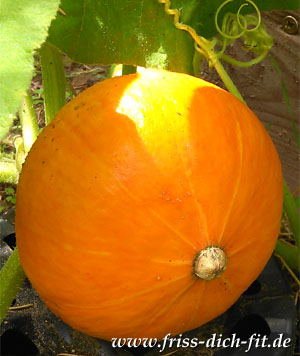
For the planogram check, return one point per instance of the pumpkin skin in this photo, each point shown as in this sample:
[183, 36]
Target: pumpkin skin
[127, 184]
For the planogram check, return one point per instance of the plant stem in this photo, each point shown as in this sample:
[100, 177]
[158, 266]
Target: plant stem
[226, 79]
[12, 277]
[128, 69]
[111, 71]
[30, 129]
[291, 211]
[289, 253]
[54, 81]
[204, 47]
[240, 64]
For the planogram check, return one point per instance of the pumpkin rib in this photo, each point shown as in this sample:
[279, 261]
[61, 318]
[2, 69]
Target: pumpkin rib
[158, 216]
[237, 185]
[166, 307]
[174, 263]
[202, 223]
[250, 243]
[182, 237]
[120, 301]
[197, 307]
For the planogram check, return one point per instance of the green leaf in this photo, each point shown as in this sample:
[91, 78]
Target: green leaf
[135, 32]
[139, 32]
[12, 277]
[289, 253]
[24, 25]
[9, 190]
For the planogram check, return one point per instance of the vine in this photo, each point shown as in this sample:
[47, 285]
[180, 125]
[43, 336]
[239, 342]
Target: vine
[228, 18]
[234, 26]
[204, 47]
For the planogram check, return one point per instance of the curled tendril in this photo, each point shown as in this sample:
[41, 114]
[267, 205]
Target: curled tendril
[234, 26]
[230, 21]
[247, 27]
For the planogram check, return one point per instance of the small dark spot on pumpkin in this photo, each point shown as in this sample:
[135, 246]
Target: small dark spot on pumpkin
[76, 107]
[52, 139]
[95, 177]
[179, 113]
[53, 126]
[43, 162]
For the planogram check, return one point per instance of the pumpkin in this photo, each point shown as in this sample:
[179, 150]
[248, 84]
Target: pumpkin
[148, 206]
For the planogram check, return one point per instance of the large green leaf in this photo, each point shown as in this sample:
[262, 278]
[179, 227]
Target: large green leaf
[23, 28]
[139, 32]
[121, 31]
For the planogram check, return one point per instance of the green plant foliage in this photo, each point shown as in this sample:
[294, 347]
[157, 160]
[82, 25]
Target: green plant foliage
[121, 31]
[8, 171]
[134, 32]
[10, 195]
[139, 32]
[24, 25]
[12, 277]
[202, 20]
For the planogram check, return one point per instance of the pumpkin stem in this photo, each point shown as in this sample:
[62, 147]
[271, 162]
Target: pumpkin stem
[209, 263]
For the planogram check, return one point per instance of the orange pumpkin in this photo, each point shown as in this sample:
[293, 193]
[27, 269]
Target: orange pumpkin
[148, 205]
